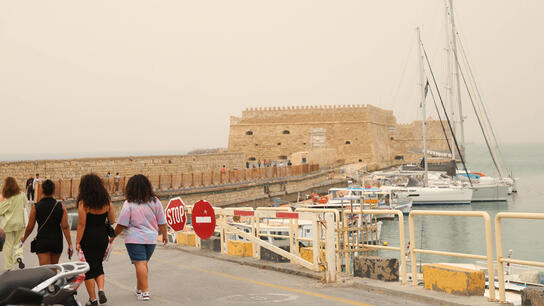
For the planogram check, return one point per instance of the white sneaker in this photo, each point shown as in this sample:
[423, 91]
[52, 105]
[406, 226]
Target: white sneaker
[137, 291]
[143, 296]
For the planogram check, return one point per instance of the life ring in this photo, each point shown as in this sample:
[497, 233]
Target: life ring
[315, 197]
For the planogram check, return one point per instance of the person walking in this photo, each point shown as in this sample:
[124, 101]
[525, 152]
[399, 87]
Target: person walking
[94, 207]
[142, 216]
[108, 181]
[12, 206]
[30, 189]
[52, 219]
[36, 181]
[116, 180]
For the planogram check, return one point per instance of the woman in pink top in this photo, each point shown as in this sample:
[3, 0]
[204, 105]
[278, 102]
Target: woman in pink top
[142, 216]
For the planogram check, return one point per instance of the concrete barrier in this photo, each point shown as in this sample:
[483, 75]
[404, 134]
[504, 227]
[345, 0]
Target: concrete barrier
[186, 238]
[240, 248]
[454, 280]
[532, 296]
[271, 256]
[213, 243]
[385, 269]
[307, 253]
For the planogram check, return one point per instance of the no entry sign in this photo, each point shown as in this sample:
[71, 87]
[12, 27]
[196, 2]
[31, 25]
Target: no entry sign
[203, 218]
[175, 214]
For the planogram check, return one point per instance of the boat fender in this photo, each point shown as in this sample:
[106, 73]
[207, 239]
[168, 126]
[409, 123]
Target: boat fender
[323, 200]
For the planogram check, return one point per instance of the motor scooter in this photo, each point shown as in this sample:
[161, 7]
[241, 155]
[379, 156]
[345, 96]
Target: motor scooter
[44, 285]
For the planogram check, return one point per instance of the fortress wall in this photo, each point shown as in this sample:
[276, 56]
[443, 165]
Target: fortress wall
[126, 166]
[373, 133]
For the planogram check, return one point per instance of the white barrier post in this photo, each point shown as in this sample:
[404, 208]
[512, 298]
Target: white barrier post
[316, 241]
[330, 249]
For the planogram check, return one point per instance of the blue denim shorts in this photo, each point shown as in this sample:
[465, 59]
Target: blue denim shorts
[140, 252]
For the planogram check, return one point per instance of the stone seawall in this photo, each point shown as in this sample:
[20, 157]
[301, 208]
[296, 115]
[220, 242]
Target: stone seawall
[126, 166]
[254, 194]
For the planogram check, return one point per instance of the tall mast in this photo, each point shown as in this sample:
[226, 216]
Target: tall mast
[424, 122]
[448, 96]
[457, 81]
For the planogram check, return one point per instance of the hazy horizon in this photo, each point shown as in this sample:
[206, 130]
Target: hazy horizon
[109, 77]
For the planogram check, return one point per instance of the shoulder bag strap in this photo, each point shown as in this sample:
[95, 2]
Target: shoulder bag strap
[47, 217]
[152, 210]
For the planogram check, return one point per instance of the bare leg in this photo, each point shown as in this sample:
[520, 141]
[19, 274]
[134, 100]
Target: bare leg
[141, 275]
[89, 284]
[44, 258]
[55, 258]
[100, 282]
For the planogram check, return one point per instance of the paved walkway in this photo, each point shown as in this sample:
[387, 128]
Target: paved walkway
[180, 278]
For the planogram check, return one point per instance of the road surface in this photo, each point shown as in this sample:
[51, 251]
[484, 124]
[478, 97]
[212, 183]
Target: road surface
[179, 278]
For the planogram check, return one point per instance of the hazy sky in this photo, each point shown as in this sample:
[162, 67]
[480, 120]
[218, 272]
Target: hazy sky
[132, 76]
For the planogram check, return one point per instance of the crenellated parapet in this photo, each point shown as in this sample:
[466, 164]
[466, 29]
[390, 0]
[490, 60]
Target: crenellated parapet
[307, 113]
[309, 109]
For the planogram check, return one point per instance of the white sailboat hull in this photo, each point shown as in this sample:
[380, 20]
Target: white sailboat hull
[490, 192]
[436, 195]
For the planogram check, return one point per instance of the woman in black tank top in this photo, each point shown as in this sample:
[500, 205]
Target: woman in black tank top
[52, 219]
[94, 207]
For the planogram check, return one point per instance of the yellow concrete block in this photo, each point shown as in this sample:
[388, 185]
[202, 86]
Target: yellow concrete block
[186, 238]
[454, 280]
[240, 248]
[307, 253]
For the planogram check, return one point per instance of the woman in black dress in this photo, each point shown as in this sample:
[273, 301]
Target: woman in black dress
[52, 219]
[94, 207]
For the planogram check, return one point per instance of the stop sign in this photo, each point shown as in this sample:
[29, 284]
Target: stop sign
[175, 214]
[203, 218]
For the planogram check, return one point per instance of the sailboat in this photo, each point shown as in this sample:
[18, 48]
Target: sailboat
[428, 194]
[485, 188]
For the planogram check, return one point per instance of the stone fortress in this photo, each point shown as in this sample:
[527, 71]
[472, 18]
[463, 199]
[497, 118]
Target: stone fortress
[331, 134]
[326, 135]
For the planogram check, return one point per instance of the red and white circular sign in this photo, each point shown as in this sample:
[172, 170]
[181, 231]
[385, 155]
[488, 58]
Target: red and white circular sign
[203, 219]
[175, 214]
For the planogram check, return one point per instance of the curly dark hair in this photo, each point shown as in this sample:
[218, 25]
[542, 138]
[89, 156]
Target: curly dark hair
[139, 190]
[92, 192]
[10, 188]
[48, 187]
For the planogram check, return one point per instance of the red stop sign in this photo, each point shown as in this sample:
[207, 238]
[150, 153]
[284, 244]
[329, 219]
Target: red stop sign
[175, 214]
[203, 219]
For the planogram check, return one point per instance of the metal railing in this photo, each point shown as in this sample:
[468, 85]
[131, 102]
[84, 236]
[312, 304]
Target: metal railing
[498, 244]
[488, 242]
[322, 238]
[336, 214]
[335, 245]
[349, 248]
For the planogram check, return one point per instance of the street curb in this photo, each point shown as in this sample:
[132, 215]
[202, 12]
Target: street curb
[416, 294]
[247, 262]
[420, 294]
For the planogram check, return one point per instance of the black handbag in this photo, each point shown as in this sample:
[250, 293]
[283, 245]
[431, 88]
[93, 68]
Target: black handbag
[109, 229]
[34, 242]
[33, 246]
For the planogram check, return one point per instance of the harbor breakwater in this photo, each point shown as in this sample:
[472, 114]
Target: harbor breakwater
[126, 166]
[221, 179]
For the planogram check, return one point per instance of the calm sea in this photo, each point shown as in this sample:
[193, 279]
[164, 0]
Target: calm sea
[466, 235]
